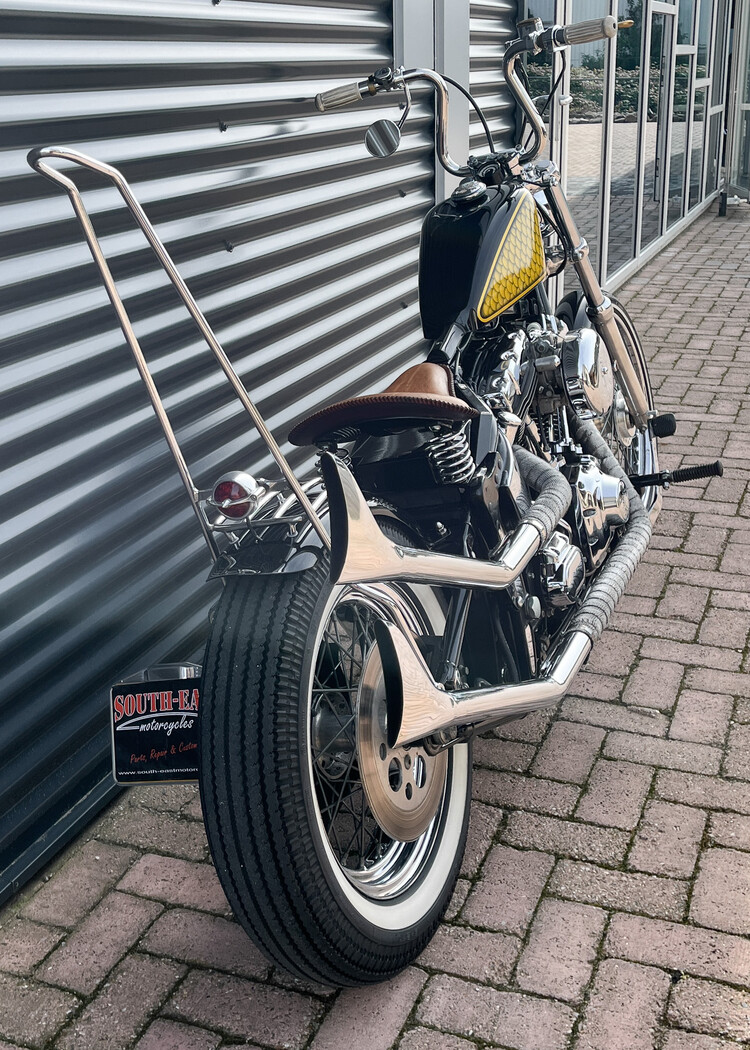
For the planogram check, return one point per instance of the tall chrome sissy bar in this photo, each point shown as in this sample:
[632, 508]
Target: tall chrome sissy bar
[36, 158]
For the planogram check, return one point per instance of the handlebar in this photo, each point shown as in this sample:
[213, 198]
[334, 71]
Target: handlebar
[534, 38]
[343, 95]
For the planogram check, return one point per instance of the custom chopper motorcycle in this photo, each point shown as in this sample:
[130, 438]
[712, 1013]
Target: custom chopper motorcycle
[461, 549]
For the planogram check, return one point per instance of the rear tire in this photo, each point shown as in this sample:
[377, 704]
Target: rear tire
[341, 915]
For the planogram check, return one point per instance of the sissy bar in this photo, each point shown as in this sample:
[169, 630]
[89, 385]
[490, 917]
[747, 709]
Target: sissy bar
[36, 159]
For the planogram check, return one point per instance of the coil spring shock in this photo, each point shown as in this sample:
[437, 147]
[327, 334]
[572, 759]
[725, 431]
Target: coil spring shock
[450, 457]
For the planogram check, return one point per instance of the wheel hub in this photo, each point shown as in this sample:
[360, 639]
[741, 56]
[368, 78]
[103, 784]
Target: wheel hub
[403, 785]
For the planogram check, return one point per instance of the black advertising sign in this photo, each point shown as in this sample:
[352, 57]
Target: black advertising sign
[155, 730]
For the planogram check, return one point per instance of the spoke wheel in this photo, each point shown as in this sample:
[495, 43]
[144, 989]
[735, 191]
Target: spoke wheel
[338, 859]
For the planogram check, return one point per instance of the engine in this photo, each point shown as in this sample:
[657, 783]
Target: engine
[539, 376]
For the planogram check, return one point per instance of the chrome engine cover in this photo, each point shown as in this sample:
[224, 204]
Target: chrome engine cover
[587, 374]
[601, 506]
[563, 571]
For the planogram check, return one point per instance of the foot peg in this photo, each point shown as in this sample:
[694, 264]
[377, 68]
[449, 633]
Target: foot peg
[663, 426]
[665, 478]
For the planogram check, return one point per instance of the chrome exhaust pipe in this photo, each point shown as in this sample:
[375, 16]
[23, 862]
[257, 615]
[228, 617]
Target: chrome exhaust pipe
[360, 553]
[419, 707]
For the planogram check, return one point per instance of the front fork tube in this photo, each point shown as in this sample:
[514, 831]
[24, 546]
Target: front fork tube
[600, 309]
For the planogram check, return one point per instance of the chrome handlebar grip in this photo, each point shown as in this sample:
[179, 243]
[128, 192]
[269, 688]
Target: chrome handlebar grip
[343, 95]
[586, 32]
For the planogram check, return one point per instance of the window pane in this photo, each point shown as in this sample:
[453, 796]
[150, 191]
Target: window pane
[625, 141]
[712, 161]
[685, 21]
[696, 150]
[679, 138]
[661, 29]
[585, 134]
[719, 64]
[704, 37]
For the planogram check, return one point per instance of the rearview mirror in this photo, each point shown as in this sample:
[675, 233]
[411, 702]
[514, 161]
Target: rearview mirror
[382, 138]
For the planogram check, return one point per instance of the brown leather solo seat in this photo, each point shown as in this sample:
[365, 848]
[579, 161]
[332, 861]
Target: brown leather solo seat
[424, 392]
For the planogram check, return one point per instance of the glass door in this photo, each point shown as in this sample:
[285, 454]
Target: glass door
[657, 126]
[738, 147]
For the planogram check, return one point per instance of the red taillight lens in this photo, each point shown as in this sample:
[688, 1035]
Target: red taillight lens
[229, 497]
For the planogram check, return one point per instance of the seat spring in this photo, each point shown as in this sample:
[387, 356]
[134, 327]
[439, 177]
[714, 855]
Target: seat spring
[450, 458]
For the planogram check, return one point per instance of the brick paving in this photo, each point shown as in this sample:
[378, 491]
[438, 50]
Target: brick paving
[604, 902]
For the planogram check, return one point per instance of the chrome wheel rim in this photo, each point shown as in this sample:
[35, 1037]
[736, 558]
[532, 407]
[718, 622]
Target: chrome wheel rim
[346, 763]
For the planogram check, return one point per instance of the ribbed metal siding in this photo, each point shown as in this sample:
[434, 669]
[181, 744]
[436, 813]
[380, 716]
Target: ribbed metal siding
[493, 24]
[299, 247]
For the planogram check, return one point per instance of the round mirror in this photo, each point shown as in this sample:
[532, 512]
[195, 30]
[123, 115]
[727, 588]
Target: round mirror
[382, 138]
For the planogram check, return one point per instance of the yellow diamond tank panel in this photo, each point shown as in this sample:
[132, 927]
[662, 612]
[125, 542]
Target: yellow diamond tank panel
[518, 265]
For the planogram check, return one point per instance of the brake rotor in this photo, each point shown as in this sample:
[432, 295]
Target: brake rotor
[403, 785]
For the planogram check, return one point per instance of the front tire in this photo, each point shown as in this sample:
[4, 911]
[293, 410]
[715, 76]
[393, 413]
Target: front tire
[312, 876]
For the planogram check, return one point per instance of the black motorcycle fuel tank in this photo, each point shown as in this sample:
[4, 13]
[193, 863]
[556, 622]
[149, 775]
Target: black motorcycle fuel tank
[483, 255]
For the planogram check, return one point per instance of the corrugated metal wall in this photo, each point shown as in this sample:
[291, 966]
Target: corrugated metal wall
[493, 24]
[300, 248]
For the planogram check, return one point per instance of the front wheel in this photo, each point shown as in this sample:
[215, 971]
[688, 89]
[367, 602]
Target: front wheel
[338, 854]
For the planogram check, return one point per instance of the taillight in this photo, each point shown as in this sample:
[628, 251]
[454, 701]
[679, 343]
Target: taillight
[236, 494]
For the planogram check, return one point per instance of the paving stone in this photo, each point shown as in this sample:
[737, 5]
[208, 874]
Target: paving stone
[693, 1041]
[731, 630]
[624, 1009]
[121, 1009]
[691, 653]
[668, 840]
[370, 1016]
[649, 580]
[193, 810]
[561, 949]
[483, 823]
[683, 601]
[79, 884]
[457, 901]
[171, 1035]
[529, 730]
[615, 794]
[568, 752]
[24, 944]
[711, 792]
[428, 1039]
[244, 1009]
[737, 758]
[615, 716]
[715, 1009]
[472, 953]
[674, 754]
[176, 881]
[701, 717]
[89, 954]
[729, 829]
[626, 891]
[31, 1013]
[170, 798]
[596, 686]
[206, 940]
[653, 684]
[716, 681]
[523, 792]
[721, 898]
[147, 829]
[520, 1022]
[503, 754]
[582, 841]
[505, 897]
[615, 653]
[679, 947]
